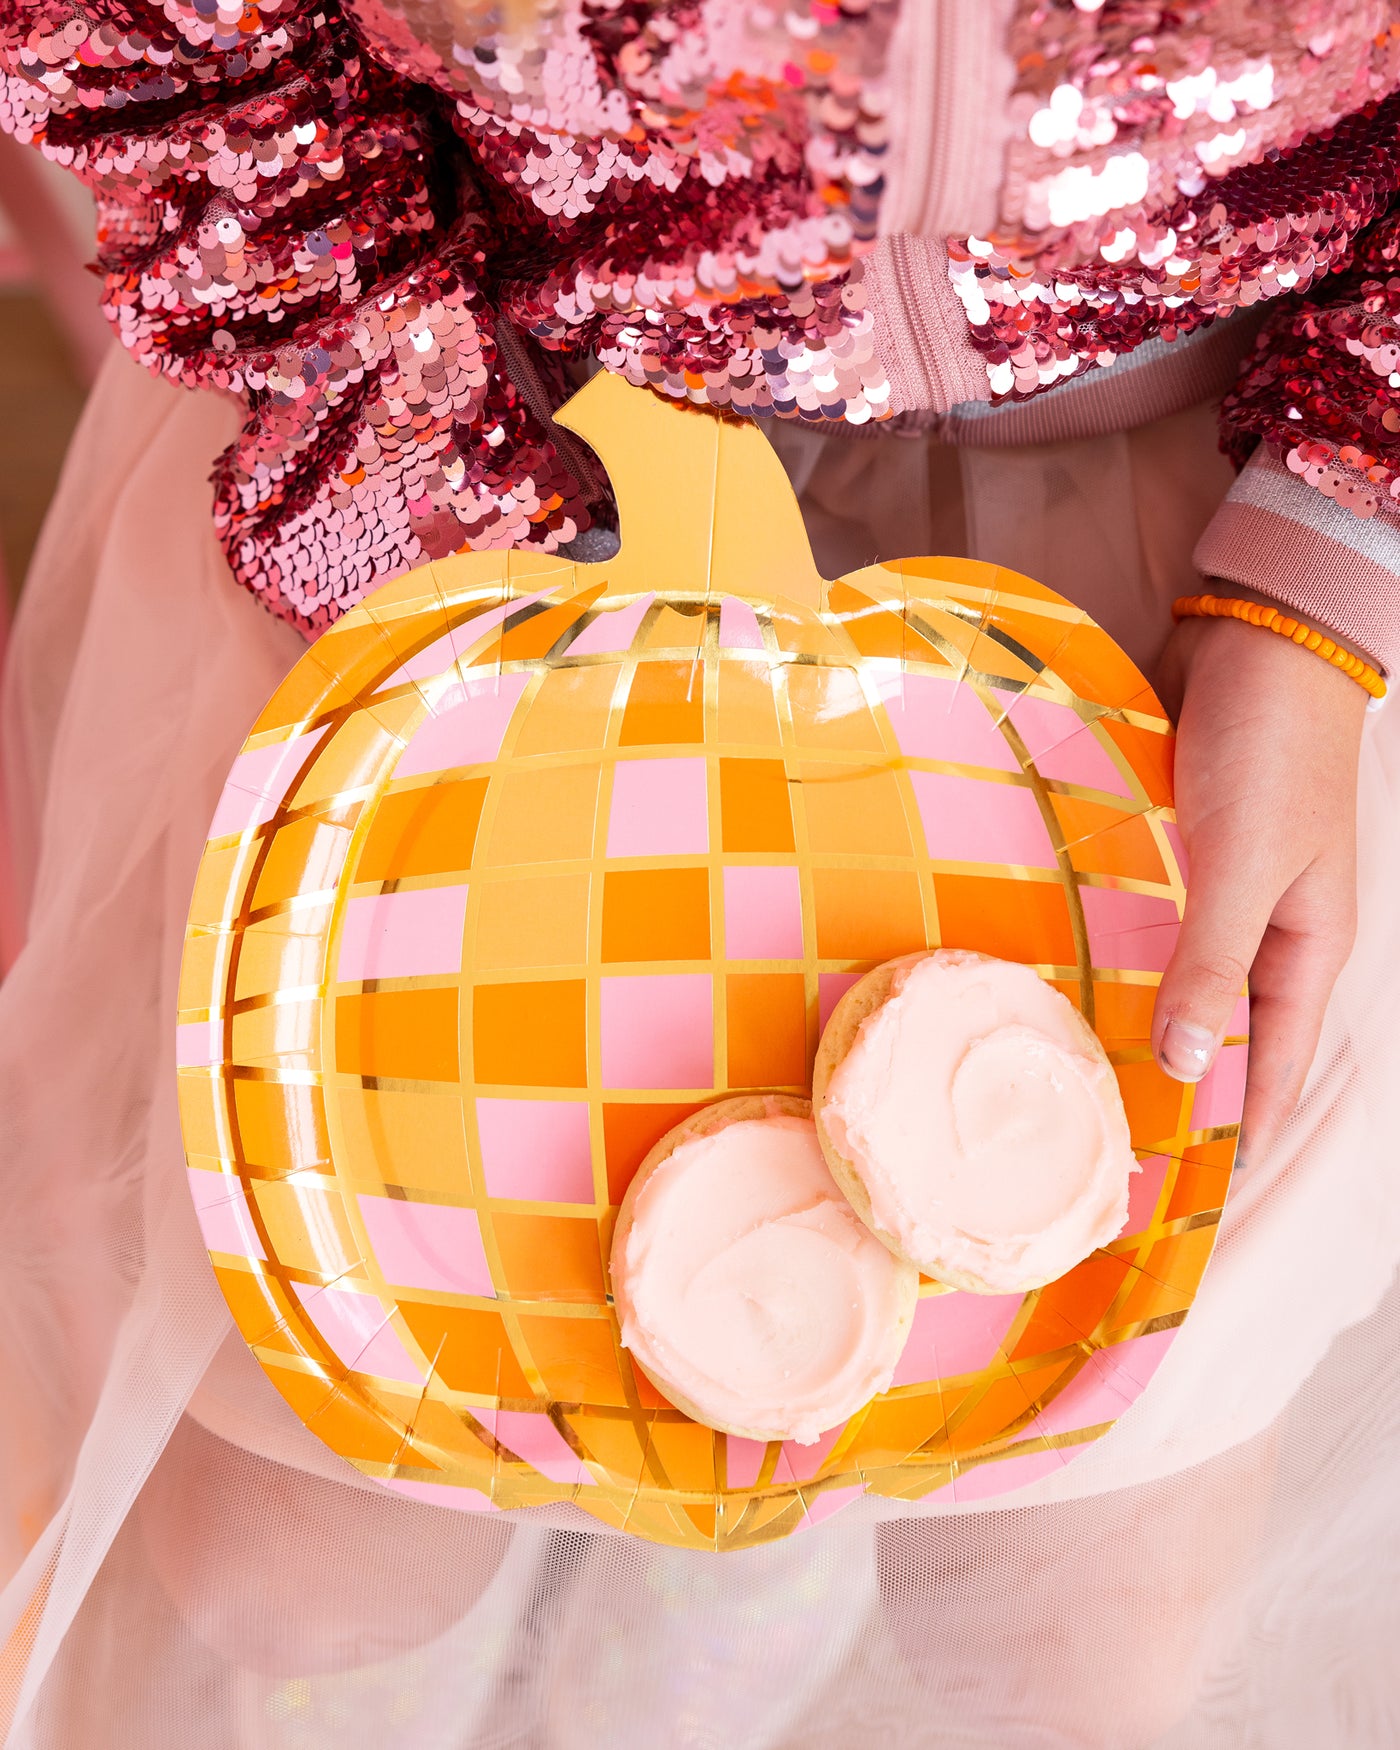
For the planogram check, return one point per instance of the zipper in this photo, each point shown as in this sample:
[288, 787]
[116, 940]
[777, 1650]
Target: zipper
[951, 91]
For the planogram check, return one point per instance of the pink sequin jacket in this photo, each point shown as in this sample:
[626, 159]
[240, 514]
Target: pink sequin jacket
[389, 226]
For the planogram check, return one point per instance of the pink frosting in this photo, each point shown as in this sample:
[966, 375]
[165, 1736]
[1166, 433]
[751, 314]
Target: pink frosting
[990, 1142]
[750, 1288]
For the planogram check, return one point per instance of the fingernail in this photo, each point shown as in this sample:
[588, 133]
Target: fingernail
[1186, 1050]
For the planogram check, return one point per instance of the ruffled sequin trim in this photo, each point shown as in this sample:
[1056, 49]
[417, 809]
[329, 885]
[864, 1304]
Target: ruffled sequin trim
[393, 439]
[682, 187]
[282, 219]
[62, 61]
[716, 171]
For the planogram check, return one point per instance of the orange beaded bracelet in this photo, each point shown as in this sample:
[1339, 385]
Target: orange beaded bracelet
[1219, 607]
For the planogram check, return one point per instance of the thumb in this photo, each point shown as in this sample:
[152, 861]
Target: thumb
[1227, 912]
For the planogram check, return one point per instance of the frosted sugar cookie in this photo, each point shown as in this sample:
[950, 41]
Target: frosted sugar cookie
[969, 1113]
[746, 1289]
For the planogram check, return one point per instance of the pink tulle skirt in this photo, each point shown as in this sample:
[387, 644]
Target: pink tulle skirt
[184, 1564]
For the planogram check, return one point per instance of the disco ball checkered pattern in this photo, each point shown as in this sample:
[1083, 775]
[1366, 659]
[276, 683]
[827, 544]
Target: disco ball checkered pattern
[509, 880]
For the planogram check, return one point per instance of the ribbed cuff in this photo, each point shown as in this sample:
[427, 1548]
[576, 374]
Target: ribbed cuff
[1283, 538]
[920, 328]
[1155, 379]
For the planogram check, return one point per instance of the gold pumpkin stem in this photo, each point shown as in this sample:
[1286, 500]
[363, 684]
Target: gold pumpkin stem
[660, 457]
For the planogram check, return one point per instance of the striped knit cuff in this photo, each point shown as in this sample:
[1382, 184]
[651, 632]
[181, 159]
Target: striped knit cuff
[1281, 537]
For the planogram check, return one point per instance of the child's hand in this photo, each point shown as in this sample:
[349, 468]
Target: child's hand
[1266, 799]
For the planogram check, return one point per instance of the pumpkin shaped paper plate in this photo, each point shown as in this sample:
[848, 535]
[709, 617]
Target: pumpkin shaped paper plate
[527, 860]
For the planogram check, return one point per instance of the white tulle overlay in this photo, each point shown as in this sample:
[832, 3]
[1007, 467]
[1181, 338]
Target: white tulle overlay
[184, 1564]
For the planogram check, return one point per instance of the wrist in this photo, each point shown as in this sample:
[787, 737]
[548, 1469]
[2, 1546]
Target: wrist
[1253, 610]
[1223, 586]
[1262, 672]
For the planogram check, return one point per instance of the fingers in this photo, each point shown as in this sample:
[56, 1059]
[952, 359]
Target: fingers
[1296, 955]
[1290, 984]
[1227, 911]
[1267, 752]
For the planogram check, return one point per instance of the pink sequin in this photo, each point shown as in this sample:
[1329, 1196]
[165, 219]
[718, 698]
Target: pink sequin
[350, 213]
[1173, 165]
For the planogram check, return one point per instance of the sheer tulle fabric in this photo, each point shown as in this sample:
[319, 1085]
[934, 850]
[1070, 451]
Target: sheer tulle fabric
[184, 1563]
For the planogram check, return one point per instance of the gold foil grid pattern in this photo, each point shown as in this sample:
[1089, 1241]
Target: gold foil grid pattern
[317, 1136]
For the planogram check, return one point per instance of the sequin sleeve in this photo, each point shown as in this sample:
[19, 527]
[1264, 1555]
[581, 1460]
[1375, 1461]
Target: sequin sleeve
[1268, 230]
[341, 212]
[1166, 167]
[692, 187]
[282, 219]
[1322, 385]
[1313, 420]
